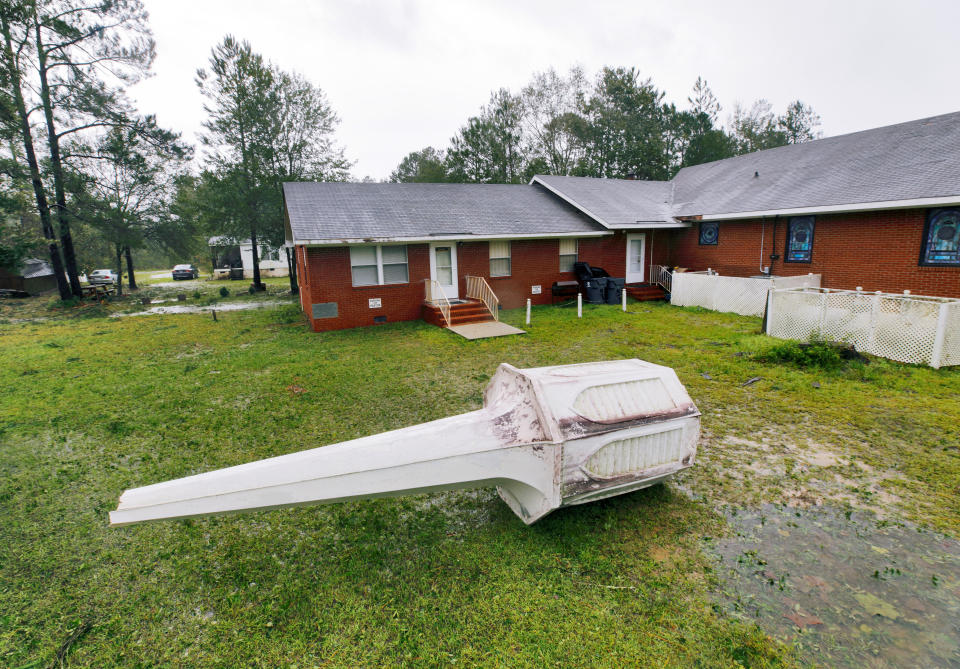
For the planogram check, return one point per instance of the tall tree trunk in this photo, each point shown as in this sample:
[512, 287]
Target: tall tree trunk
[66, 239]
[119, 249]
[257, 284]
[39, 193]
[292, 270]
[131, 279]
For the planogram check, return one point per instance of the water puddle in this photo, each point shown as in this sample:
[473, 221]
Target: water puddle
[847, 589]
[194, 309]
[188, 284]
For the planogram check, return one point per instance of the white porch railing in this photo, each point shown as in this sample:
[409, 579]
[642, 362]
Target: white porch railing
[436, 297]
[660, 275]
[479, 289]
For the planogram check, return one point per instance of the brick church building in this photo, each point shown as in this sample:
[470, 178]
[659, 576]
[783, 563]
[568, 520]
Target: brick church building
[878, 209]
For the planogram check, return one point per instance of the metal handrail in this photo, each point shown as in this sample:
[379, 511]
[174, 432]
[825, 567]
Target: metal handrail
[479, 289]
[661, 275]
[436, 297]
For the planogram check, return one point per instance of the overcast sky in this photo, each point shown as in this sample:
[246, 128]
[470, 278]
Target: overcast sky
[403, 75]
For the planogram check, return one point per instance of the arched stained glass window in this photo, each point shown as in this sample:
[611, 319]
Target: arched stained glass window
[799, 239]
[941, 240]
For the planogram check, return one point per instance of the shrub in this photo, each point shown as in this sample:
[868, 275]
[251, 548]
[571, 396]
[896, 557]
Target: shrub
[815, 353]
[289, 313]
[197, 295]
[224, 291]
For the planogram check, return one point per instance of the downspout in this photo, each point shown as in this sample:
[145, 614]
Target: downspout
[773, 243]
[763, 229]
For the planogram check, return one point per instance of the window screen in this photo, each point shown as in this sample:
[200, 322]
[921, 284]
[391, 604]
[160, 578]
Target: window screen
[377, 265]
[363, 265]
[499, 258]
[394, 264]
[568, 254]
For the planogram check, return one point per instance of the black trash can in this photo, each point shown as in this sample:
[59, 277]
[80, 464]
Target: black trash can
[614, 290]
[594, 288]
[236, 273]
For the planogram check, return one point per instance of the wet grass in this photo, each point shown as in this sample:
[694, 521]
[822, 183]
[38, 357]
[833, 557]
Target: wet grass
[201, 292]
[96, 405]
[848, 590]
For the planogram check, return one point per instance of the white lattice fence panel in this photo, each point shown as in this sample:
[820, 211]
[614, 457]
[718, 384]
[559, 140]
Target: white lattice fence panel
[794, 314]
[747, 297]
[802, 281]
[951, 340]
[901, 328]
[691, 290]
[905, 329]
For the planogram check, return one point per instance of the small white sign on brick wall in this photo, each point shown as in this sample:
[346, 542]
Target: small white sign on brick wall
[375, 303]
[534, 290]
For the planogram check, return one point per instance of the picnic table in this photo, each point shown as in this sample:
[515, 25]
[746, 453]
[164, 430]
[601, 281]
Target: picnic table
[98, 290]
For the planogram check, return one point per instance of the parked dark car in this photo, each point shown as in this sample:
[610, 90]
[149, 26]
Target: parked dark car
[185, 272]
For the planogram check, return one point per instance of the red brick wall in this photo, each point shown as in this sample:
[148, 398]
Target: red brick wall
[327, 278]
[536, 262]
[324, 276]
[875, 250]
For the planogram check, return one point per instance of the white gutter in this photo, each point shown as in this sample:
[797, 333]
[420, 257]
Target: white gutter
[655, 225]
[442, 238]
[838, 208]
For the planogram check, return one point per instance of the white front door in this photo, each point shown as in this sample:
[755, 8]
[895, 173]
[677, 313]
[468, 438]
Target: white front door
[443, 267]
[636, 245]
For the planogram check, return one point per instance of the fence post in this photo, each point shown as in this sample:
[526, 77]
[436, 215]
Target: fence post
[623, 299]
[936, 355]
[528, 311]
[579, 305]
[874, 322]
[823, 314]
[769, 314]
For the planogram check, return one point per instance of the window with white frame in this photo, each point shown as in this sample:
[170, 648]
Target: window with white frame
[500, 258]
[378, 265]
[568, 254]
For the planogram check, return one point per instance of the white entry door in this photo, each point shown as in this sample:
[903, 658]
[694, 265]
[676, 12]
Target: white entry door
[443, 267]
[636, 245]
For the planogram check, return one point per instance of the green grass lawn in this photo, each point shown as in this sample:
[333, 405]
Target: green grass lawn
[95, 405]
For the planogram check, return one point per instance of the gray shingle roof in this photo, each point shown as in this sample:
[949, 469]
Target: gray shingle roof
[35, 267]
[335, 211]
[914, 160]
[615, 202]
[917, 159]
